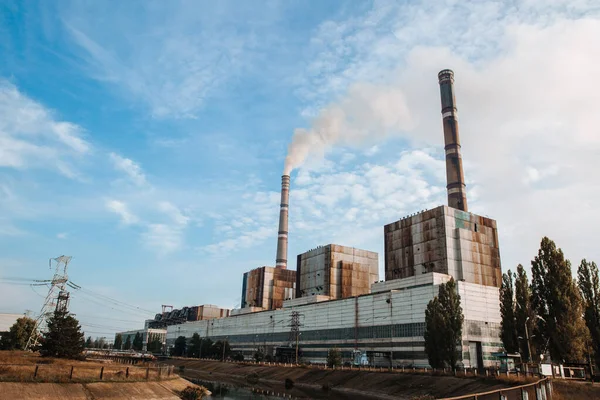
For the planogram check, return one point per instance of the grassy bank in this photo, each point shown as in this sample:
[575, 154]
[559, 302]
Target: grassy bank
[353, 384]
[19, 366]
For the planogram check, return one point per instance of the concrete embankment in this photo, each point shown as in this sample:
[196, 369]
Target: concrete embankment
[158, 390]
[309, 382]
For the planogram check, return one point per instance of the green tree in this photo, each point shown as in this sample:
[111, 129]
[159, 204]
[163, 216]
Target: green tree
[523, 312]
[96, 343]
[207, 348]
[217, 349]
[334, 358]
[259, 355]
[195, 345]
[154, 343]
[63, 338]
[89, 343]
[138, 342]
[450, 302]
[435, 326]
[443, 326]
[557, 302]
[180, 346]
[589, 285]
[127, 345]
[17, 336]
[508, 332]
[118, 341]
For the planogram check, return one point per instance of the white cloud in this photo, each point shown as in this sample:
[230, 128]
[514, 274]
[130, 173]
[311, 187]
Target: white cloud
[163, 238]
[32, 137]
[62, 235]
[121, 209]
[174, 58]
[173, 212]
[129, 167]
[527, 114]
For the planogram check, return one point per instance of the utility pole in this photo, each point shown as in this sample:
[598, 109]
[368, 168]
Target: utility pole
[297, 337]
[224, 343]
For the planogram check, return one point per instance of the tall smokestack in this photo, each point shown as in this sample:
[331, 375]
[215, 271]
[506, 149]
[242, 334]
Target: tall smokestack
[455, 179]
[282, 237]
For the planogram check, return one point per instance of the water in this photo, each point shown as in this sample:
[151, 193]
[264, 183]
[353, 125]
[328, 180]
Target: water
[226, 392]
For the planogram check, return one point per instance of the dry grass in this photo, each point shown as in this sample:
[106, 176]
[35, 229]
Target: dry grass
[20, 366]
[570, 390]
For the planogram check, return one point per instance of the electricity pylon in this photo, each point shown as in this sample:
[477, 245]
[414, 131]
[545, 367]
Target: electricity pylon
[57, 299]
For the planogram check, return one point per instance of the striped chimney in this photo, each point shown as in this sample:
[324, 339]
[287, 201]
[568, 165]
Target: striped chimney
[455, 179]
[282, 236]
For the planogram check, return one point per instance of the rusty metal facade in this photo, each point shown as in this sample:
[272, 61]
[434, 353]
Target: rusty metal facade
[268, 287]
[282, 234]
[336, 271]
[444, 240]
[455, 180]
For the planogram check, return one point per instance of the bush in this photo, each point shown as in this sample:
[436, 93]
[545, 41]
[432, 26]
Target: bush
[181, 369]
[193, 393]
[326, 387]
[252, 378]
[289, 383]
[238, 357]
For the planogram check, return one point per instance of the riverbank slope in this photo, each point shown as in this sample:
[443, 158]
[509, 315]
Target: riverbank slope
[375, 385]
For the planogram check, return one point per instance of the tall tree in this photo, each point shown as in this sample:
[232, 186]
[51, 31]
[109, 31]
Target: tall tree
[207, 348]
[443, 327]
[450, 301]
[63, 338]
[179, 347]
[118, 341]
[138, 342]
[556, 301]
[17, 336]
[435, 326]
[589, 285]
[334, 357]
[127, 345]
[154, 343]
[508, 332]
[523, 312]
[195, 343]
[89, 343]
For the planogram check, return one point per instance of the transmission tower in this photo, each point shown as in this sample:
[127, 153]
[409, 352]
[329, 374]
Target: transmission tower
[295, 331]
[57, 298]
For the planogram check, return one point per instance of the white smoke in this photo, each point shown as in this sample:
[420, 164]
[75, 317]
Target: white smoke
[365, 114]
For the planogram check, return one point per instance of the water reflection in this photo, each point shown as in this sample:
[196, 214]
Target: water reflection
[224, 392]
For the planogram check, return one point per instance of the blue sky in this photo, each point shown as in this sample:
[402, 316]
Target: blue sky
[147, 139]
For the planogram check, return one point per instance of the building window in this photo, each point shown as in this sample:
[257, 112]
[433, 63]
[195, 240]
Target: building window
[476, 227]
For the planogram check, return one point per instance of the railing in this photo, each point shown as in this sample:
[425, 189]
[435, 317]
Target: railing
[540, 390]
[78, 372]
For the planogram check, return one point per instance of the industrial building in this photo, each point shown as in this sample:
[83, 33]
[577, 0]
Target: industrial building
[444, 240]
[336, 272]
[266, 288]
[170, 316]
[148, 334]
[334, 298]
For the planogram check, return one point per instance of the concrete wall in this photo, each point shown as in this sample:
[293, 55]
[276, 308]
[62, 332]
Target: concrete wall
[445, 240]
[336, 271]
[384, 322]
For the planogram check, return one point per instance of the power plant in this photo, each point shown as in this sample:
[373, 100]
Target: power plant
[335, 298]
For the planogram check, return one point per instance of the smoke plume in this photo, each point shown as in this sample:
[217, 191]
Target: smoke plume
[364, 115]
